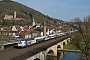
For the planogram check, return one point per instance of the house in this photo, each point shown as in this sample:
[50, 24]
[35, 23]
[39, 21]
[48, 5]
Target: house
[26, 32]
[29, 31]
[8, 32]
[16, 28]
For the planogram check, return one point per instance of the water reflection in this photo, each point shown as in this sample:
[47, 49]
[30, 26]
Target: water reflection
[51, 58]
[67, 56]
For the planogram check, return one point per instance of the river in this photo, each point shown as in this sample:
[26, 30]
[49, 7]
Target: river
[67, 56]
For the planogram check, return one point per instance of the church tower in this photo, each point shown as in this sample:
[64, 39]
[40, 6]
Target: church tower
[44, 28]
[14, 14]
[33, 23]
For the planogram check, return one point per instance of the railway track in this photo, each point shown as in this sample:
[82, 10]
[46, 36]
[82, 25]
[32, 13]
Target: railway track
[3, 53]
[22, 54]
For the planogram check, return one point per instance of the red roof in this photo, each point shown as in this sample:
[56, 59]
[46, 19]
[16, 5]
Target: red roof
[26, 32]
[25, 28]
[23, 33]
[6, 28]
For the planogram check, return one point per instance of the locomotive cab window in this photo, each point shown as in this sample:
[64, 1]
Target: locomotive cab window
[20, 42]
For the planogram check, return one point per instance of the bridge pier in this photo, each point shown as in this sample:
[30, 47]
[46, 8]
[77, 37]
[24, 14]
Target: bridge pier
[44, 54]
[38, 56]
[1, 47]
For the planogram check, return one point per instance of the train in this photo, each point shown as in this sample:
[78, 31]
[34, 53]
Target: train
[26, 42]
[30, 41]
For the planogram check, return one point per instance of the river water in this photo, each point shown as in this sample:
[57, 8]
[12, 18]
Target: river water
[67, 56]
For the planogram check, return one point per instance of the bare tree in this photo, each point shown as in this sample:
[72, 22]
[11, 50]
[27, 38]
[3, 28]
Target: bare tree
[82, 38]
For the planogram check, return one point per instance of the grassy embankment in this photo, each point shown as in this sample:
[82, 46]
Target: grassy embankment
[70, 46]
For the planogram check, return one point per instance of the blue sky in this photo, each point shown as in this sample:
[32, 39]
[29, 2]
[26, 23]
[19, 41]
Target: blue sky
[61, 9]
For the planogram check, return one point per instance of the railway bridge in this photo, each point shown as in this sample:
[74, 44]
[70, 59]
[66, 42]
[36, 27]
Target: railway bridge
[52, 50]
[37, 51]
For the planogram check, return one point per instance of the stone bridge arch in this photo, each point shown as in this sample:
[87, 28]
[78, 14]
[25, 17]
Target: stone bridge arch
[66, 41]
[52, 50]
[60, 45]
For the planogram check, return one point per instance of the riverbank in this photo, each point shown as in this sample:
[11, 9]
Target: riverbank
[66, 50]
[70, 48]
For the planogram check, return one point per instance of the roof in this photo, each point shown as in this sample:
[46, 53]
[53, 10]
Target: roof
[26, 31]
[25, 28]
[23, 33]
[18, 27]
[6, 28]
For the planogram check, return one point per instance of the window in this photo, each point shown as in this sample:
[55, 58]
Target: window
[20, 42]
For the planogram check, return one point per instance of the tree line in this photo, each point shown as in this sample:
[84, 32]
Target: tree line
[82, 38]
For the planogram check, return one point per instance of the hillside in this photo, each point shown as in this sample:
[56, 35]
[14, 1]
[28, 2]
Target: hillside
[26, 13]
